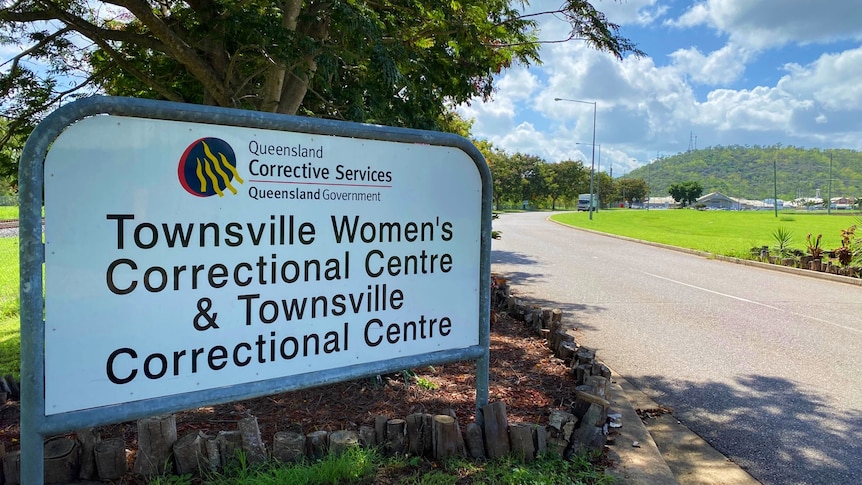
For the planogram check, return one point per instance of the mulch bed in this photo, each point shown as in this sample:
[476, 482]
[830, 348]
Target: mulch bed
[523, 374]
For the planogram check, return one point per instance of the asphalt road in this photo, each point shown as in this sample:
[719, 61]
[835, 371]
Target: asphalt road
[766, 366]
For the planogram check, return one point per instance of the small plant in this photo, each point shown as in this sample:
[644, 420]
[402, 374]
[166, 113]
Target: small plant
[814, 248]
[426, 383]
[783, 238]
[845, 252]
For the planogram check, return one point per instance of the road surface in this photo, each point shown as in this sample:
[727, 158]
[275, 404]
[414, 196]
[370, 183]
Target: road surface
[766, 366]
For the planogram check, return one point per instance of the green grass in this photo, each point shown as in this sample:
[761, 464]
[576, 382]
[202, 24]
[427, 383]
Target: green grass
[362, 466]
[10, 326]
[8, 212]
[728, 233]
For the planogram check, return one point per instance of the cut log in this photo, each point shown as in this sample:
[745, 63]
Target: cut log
[367, 436]
[156, 437]
[317, 444]
[396, 436]
[475, 443]
[12, 467]
[496, 430]
[592, 432]
[14, 388]
[380, 429]
[447, 439]
[229, 446]
[341, 441]
[557, 316]
[88, 438]
[252, 442]
[522, 438]
[567, 351]
[598, 384]
[561, 425]
[420, 440]
[190, 454]
[288, 446]
[62, 463]
[462, 450]
[213, 452]
[110, 457]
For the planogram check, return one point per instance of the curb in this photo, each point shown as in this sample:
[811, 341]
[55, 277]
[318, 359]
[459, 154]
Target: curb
[669, 452]
[634, 456]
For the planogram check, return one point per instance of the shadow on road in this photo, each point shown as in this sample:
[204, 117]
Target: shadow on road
[775, 421]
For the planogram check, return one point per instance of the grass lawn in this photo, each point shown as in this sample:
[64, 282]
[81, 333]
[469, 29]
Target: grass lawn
[10, 327]
[728, 233]
[8, 212]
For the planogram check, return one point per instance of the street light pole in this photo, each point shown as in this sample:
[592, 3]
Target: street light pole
[593, 161]
[598, 173]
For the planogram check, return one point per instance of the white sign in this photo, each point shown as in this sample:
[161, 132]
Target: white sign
[182, 256]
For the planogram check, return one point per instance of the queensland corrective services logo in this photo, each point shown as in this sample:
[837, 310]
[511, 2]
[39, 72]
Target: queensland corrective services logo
[208, 167]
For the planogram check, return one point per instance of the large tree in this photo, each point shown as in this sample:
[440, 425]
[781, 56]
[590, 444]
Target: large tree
[564, 180]
[686, 193]
[381, 61]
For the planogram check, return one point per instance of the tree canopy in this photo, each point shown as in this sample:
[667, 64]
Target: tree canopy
[381, 61]
[686, 193]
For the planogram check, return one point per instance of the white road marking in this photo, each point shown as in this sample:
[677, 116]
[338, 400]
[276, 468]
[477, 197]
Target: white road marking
[746, 300]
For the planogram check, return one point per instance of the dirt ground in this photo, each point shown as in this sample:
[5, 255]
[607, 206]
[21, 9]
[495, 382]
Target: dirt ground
[523, 374]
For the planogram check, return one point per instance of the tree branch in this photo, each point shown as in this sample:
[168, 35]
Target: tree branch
[181, 50]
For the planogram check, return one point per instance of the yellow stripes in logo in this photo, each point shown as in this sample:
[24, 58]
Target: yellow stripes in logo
[213, 169]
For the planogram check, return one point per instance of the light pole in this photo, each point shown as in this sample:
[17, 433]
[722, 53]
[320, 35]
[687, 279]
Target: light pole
[598, 173]
[593, 162]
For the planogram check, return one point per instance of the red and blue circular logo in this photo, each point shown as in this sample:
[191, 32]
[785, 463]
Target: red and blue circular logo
[208, 167]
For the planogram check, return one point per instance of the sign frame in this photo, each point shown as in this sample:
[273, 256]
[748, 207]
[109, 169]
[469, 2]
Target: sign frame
[36, 425]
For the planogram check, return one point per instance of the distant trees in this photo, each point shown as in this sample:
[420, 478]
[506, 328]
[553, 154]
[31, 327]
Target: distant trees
[685, 193]
[630, 190]
[754, 172]
[520, 178]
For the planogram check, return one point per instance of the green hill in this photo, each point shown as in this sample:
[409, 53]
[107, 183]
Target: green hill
[746, 171]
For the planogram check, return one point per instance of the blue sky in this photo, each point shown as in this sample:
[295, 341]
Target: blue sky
[717, 72]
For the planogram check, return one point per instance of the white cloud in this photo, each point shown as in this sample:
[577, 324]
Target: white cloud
[723, 66]
[832, 81]
[640, 12]
[760, 24]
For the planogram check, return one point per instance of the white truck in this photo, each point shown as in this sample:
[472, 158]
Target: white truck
[584, 202]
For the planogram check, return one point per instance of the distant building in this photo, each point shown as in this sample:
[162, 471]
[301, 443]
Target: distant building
[719, 201]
